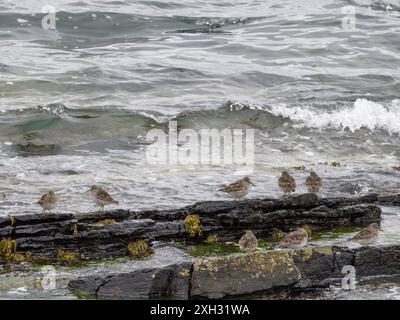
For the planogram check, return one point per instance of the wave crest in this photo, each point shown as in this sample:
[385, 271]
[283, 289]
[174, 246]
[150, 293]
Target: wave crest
[363, 114]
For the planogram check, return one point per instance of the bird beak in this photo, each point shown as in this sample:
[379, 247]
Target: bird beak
[380, 229]
[252, 183]
[86, 191]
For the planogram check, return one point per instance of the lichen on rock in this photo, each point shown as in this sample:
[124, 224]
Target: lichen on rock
[219, 277]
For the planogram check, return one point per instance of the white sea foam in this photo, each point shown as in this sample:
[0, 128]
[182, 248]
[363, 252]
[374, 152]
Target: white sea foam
[363, 114]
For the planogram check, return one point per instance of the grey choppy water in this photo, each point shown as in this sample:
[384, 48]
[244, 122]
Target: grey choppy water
[76, 103]
[91, 90]
[20, 284]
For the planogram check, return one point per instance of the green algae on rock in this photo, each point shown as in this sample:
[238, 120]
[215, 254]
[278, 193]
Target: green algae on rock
[333, 233]
[212, 249]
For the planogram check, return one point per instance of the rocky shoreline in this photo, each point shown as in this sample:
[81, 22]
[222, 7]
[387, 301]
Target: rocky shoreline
[103, 235]
[93, 237]
[245, 274]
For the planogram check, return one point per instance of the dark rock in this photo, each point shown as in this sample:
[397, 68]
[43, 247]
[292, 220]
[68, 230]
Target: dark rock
[88, 284]
[128, 228]
[33, 149]
[37, 218]
[241, 274]
[6, 231]
[117, 215]
[247, 274]
[45, 228]
[48, 233]
[367, 259]
[166, 282]
[393, 200]
[314, 264]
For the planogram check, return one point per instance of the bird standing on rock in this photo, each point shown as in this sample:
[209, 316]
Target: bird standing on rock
[238, 189]
[286, 183]
[295, 240]
[48, 201]
[313, 182]
[248, 242]
[100, 197]
[368, 235]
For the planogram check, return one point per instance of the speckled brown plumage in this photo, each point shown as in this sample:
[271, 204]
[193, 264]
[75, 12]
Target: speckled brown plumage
[48, 201]
[295, 239]
[238, 189]
[313, 182]
[248, 242]
[286, 182]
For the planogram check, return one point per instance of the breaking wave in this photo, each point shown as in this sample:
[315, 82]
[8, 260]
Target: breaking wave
[363, 114]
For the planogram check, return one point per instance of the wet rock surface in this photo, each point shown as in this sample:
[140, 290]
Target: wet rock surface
[246, 274]
[170, 281]
[242, 274]
[48, 233]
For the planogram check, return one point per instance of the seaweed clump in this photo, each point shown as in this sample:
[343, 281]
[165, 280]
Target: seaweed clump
[8, 251]
[74, 229]
[11, 219]
[66, 256]
[106, 221]
[193, 225]
[139, 249]
[277, 234]
[8, 248]
[211, 239]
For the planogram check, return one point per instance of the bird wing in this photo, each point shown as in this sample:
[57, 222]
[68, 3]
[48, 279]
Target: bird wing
[242, 242]
[293, 237]
[47, 198]
[310, 181]
[362, 234]
[235, 186]
[246, 241]
[103, 195]
[287, 182]
[42, 199]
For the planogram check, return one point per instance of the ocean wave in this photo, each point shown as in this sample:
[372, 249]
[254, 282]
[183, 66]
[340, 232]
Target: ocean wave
[363, 114]
[386, 5]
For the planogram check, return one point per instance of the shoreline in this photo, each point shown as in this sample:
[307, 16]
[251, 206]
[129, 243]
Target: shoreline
[99, 236]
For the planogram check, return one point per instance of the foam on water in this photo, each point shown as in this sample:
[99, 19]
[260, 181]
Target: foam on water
[363, 114]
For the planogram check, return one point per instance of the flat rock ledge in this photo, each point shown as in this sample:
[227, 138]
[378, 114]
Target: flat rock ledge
[47, 234]
[241, 275]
